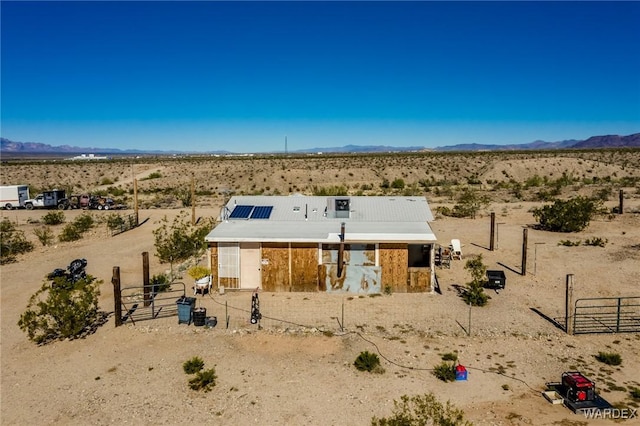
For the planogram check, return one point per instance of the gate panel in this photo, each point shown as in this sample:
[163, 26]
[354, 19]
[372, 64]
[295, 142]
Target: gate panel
[607, 315]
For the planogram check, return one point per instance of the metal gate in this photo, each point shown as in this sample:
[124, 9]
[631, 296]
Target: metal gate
[607, 315]
[138, 304]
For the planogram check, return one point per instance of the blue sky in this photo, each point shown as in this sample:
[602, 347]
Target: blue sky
[242, 76]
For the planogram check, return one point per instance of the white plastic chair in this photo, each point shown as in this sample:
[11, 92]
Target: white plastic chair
[456, 249]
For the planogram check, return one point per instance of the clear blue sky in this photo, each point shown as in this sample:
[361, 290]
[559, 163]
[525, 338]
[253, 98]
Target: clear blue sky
[203, 76]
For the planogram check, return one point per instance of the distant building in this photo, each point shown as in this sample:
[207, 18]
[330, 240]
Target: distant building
[88, 157]
[350, 244]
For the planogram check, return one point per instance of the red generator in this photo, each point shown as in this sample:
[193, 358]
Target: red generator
[578, 388]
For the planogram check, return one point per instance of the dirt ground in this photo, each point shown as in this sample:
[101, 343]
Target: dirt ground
[298, 368]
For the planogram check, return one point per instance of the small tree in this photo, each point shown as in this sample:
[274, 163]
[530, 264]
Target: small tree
[178, 241]
[422, 410]
[44, 234]
[474, 293]
[567, 216]
[470, 202]
[62, 309]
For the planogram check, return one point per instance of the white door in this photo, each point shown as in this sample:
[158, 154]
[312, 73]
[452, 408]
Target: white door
[250, 266]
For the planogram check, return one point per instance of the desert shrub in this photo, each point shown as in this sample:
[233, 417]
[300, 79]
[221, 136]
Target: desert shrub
[596, 242]
[198, 271]
[204, 380]
[470, 202]
[53, 218]
[184, 195]
[474, 293]
[193, 365]
[70, 233]
[106, 181]
[160, 282]
[330, 191]
[368, 361]
[569, 243]
[422, 410]
[44, 234]
[83, 223]
[609, 358]
[62, 309]
[635, 393]
[449, 356]
[445, 371]
[114, 221]
[153, 175]
[534, 181]
[567, 216]
[398, 183]
[12, 242]
[116, 192]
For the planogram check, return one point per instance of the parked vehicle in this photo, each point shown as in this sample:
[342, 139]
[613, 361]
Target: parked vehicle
[55, 199]
[13, 196]
[80, 201]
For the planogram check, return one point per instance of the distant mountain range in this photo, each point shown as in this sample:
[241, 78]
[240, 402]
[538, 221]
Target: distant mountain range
[608, 141]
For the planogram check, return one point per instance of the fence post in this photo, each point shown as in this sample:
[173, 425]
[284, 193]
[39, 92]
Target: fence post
[568, 302]
[493, 231]
[117, 295]
[524, 251]
[135, 200]
[145, 279]
[618, 315]
[621, 202]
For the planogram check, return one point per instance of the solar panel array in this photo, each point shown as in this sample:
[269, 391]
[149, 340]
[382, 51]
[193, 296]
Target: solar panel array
[251, 212]
[261, 212]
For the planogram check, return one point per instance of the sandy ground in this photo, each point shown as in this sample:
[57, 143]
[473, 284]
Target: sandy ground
[298, 368]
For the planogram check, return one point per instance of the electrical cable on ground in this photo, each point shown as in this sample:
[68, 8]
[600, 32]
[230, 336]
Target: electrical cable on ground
[408, 367]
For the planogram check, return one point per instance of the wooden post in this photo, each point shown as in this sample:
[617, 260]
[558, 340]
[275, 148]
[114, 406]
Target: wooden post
[193, 201]
[621, 202]
[493, 231]
[145, 279]
[117, 295]
[524, 251]
[135, 200]
[568, 303]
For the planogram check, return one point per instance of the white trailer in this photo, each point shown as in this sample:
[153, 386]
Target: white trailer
[13, 196]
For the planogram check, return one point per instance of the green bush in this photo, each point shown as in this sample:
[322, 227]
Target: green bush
[596, 242]
[445, 371]
[368, 361]
[422, 410]
[70, 233]
[44, 234]
[83, 223]
[12, 242]
[53, 218]
[474, 293]
[635, 393]
[160, 282]
[193, 365]
[567, 216]
[204, 380]
[62, 309]
[569, 243]
[114, 221]
[609, 358]
[450, 356]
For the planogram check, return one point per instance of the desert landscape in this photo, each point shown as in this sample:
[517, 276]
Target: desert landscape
[297, 366]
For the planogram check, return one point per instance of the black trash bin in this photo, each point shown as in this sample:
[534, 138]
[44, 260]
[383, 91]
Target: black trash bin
[497, 279]
[185, 309]
[199, 316]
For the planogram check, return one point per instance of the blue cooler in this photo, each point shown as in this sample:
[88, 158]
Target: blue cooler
[461, 372]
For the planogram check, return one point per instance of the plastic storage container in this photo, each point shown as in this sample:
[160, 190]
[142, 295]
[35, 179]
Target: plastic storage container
[497, 279]
[185, 309]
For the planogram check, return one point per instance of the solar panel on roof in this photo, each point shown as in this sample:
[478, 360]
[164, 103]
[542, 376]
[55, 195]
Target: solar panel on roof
[241, 212]
[261, 212]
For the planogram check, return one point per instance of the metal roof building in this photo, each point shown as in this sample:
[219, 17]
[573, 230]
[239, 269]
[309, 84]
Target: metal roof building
[314, 243]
